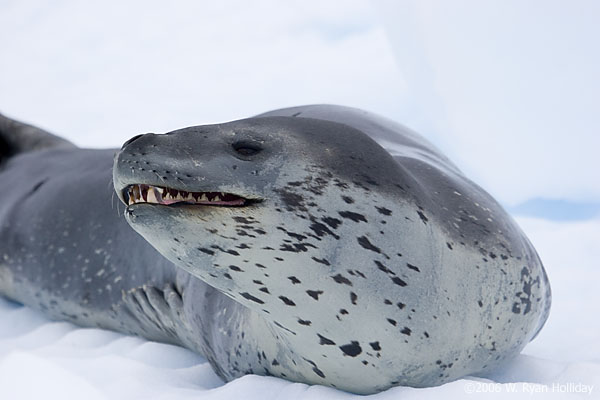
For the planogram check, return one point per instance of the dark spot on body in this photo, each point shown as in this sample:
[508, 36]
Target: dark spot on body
[364, 242]
[391, 321]
[37, 186]
[383, 210]
[314, 293]
[347, 199]
[352, 349]
[245, 220]
[423, 217]
[248, 296]
[290, 199]
[339, 278]
[353, 216]
[325, 341]
[296, 247]
[286, 329]
[294, 280]
[353, 297]
[398, 281]
[207, 251]
[383, 268]
[321, 230]
[406, 331]
[287, 301]
[318, 372]
[375, 346]
[304, 322]
[321, 260]
[332, 222]
[294, 235]
[413, 267]
[235, 268]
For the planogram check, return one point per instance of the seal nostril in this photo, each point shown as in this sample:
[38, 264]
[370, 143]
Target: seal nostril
[133, 139]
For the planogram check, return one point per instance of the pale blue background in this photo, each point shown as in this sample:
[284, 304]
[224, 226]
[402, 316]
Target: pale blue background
[508, 89]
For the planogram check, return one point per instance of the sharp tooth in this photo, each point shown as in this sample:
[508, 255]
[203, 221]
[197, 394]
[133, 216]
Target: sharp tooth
[157, 194]
[174, 193]
[217, 198]
[136, 192]
[203, 197]
[144, 191]
[151, 196]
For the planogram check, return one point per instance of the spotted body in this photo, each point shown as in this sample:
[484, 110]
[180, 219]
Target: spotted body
[339, 249]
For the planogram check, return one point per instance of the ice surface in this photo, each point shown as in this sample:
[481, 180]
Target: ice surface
[43, 359]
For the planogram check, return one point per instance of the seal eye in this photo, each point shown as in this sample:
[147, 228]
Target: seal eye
[246, 148]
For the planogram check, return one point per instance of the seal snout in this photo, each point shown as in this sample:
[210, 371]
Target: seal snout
[133, 139]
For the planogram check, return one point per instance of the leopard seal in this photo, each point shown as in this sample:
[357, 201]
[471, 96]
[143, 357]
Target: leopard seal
[320, 244]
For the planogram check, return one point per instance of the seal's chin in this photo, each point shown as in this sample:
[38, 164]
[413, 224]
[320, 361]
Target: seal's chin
[142, 193]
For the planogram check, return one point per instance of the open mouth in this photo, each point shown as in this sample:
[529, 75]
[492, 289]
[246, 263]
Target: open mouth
[135, 194]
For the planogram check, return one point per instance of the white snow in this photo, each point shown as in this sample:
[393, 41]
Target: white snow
[507, 83]
[507, 89]
[45, 359]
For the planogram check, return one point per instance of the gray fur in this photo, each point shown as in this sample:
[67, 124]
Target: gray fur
[361, 267]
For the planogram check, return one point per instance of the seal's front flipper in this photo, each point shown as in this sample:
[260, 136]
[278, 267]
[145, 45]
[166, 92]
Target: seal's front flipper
[155, 314]
[17, 137]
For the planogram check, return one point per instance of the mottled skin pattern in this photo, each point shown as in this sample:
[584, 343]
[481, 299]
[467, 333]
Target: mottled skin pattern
[361, 268]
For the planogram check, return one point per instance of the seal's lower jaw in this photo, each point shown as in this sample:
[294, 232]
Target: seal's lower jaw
[142, 193]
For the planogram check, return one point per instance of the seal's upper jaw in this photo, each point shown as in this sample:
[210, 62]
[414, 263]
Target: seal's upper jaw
[198, 166]
[143, 193]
